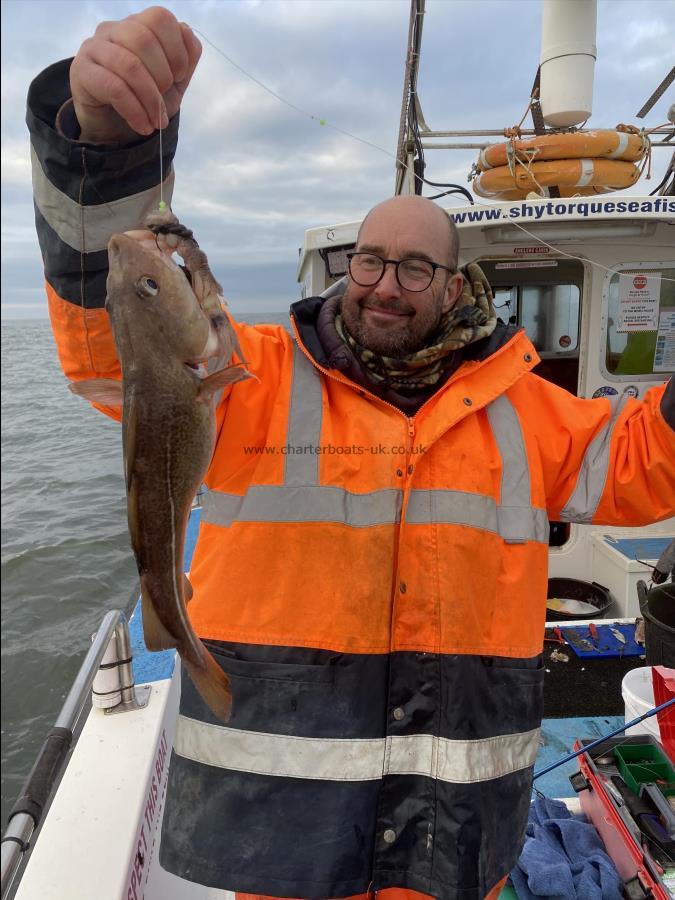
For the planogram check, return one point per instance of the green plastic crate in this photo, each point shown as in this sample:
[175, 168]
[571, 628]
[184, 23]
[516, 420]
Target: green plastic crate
[645, 764]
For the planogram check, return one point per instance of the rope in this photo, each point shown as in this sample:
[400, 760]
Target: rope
[515, 131]
[524, 158]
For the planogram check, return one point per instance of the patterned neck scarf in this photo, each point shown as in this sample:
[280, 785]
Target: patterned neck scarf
[472, 317]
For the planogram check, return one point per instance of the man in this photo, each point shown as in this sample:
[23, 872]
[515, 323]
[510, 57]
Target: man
[379, 605]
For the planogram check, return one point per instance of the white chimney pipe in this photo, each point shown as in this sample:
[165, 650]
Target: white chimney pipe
[568, 54]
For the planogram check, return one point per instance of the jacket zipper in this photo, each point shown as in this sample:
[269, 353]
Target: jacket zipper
[410, 421]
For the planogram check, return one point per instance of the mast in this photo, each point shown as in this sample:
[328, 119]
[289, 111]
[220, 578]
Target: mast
[408, 160]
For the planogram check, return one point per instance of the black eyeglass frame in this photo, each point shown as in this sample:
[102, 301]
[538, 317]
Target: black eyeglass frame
[395, 262]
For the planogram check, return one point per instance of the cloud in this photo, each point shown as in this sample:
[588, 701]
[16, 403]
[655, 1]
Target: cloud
[253, 173]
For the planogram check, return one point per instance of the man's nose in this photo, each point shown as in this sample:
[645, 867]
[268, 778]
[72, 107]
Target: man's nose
[388, 286]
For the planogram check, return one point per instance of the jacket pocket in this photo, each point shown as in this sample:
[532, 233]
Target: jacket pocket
[234, 664]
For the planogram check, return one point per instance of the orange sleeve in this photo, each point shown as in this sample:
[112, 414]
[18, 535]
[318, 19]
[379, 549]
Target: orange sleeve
[606, 462]
[640, 486]
[84, 343]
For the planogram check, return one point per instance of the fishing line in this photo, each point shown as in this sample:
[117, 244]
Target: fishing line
[162, 204]
[303, 112]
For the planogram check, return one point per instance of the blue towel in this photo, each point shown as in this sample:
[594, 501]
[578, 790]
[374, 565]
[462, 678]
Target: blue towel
[563, 858]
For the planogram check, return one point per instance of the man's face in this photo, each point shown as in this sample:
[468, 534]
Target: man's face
[386, 318]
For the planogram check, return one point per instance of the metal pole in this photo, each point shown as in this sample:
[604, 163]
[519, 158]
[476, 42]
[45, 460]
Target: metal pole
[124, 655]
[524, 131]
[132, 697]
[426, 146]
[84, 679]
[14, 844]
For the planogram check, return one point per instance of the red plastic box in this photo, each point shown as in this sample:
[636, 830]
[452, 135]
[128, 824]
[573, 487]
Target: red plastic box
[663, 680]
[632, 861]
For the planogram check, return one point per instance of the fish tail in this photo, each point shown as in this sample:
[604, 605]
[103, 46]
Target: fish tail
[155, 633]
[212, 683]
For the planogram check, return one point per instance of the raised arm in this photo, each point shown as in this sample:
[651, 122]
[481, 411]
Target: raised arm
[604, 462]
[95, 157]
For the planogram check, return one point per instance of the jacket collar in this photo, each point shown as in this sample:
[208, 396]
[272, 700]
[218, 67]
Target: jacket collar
[306, 315]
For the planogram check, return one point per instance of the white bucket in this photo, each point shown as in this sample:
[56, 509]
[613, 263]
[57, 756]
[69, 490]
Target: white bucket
[638, 695]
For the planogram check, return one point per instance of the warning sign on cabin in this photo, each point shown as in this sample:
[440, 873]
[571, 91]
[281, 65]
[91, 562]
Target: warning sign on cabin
[639, 301]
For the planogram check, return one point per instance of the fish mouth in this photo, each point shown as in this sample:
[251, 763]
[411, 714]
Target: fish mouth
[143, 240]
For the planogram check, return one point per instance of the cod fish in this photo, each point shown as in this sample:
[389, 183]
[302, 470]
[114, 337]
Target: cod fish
[163, 330]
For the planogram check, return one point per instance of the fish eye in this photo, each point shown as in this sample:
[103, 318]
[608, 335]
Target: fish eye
[147, 287]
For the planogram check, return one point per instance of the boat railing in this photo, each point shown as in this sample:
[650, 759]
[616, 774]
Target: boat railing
[38, 788]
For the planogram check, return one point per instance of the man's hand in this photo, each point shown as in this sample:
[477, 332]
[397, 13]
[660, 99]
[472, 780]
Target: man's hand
[130, 77]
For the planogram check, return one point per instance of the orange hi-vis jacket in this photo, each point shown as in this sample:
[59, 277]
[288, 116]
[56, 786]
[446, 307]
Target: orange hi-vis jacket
[374, 584]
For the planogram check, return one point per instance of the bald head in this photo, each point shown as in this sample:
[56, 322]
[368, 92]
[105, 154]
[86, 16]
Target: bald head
[422, 216]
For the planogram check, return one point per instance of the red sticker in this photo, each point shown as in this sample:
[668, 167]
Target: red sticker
[640, 282]
[565, 340]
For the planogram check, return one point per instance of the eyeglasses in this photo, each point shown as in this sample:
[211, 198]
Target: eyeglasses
[366, 269]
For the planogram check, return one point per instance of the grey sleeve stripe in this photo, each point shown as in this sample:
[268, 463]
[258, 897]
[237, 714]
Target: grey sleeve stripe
[583, 502]
[87, 229]
[515, 486]
[304, 423]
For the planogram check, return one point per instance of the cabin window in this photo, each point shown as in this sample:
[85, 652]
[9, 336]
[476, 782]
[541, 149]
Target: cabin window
[544, 298]
[549, 314]
[641, 321]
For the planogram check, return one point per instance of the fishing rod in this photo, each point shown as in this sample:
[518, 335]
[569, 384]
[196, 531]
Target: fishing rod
[601, 740]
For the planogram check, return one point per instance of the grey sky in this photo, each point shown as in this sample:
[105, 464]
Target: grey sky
[253, 174]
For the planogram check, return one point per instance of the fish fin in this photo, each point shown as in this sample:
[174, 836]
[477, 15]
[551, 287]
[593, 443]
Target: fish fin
[236, 347]
[213, 685]
[105, 391]
[213, 383]
[187, 589]
[156, 636]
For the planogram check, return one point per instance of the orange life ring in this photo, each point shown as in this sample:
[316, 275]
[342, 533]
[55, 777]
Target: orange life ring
[576, 145]
[572, 176]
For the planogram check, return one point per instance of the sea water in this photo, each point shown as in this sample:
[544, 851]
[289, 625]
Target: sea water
[66, 558]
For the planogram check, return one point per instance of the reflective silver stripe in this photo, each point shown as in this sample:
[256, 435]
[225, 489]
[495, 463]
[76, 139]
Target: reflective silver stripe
[462, 762]
[584, 500]
[285, 756]
[303, 504]
[332, 504]
[476, 511]
[304, 422]
[515, 486]
[280, 755]
[87, 229]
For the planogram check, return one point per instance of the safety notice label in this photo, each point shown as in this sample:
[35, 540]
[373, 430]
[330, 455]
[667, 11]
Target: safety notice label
[639, 301]
[664, 354]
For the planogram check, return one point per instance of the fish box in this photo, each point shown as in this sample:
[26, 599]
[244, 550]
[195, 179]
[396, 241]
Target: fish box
[642, 875]
[618, 563]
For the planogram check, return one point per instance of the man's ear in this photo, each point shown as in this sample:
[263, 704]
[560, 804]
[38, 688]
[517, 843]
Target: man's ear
[453, 291]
